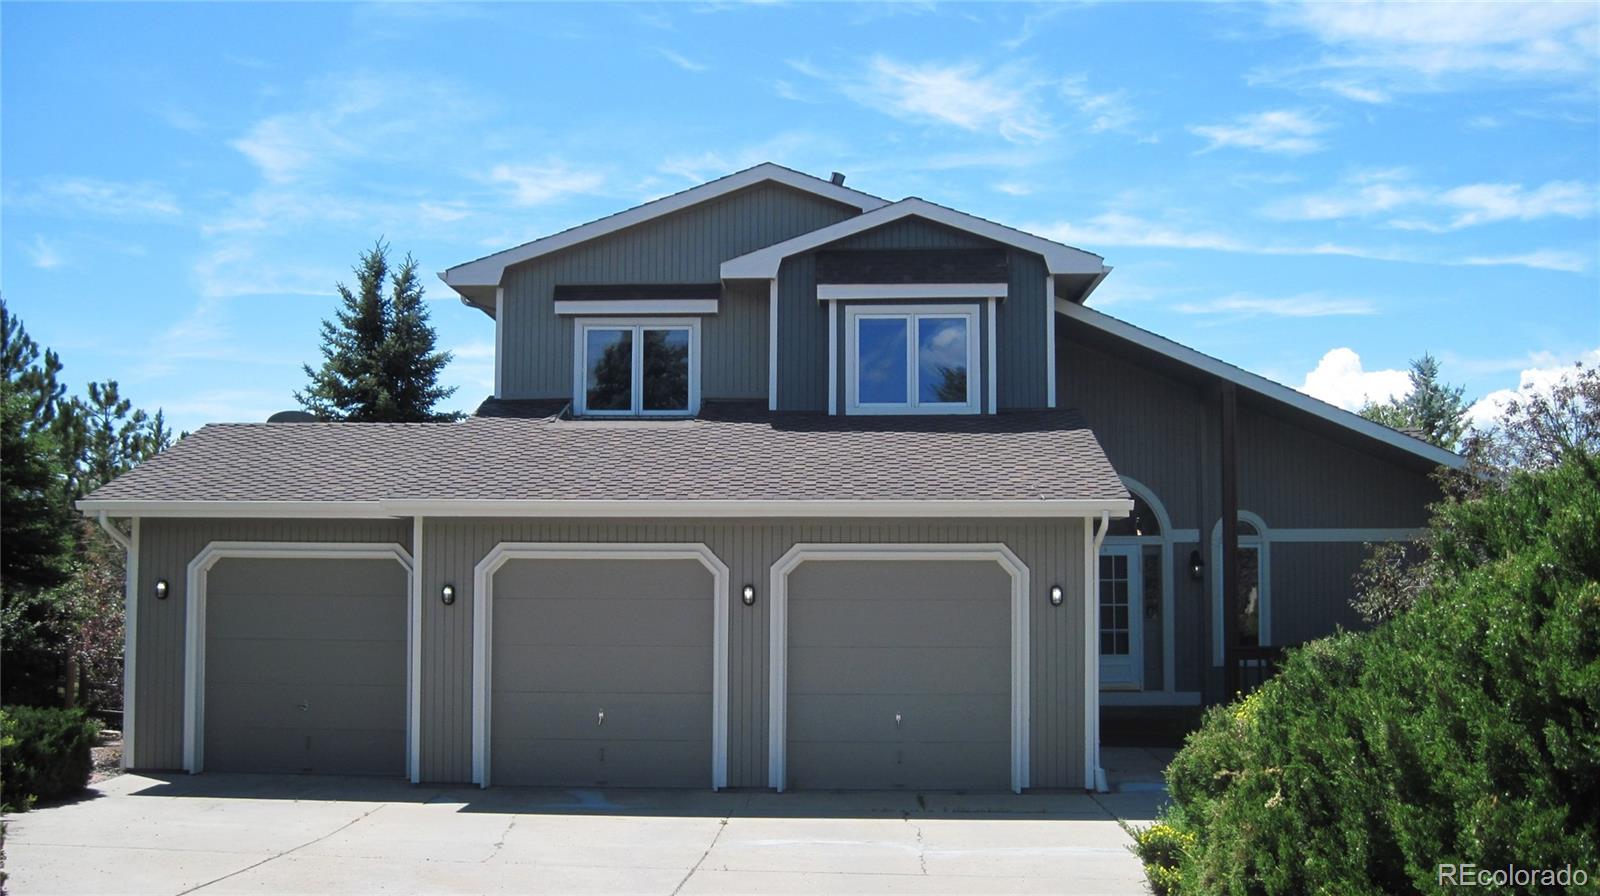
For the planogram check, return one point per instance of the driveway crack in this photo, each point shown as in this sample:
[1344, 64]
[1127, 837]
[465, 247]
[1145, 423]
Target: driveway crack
[362, 817]
[922, 846]
[500, 844]
[722, 825]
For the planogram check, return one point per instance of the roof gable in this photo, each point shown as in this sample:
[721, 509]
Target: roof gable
[762, 264]
[488, 271]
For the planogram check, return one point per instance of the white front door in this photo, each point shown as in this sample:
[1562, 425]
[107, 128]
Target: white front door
[1121, 632]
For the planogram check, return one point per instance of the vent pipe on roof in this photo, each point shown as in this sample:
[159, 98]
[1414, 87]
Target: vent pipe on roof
[838, 179]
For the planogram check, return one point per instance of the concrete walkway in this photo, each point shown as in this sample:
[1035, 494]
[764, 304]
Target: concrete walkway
[269, 834]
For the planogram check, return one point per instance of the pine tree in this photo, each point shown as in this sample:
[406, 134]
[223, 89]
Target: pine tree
[34, 526]
[1435, 411]
[379, 362]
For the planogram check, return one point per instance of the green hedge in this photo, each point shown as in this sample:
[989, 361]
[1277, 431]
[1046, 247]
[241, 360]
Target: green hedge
[1466, 730]
[44, 754]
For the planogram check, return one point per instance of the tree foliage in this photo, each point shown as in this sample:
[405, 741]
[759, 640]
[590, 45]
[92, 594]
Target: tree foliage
[60, 577]
[379, 354]
[1434, 410]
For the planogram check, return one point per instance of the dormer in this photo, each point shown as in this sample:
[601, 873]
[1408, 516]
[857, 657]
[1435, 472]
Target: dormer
[771, 285]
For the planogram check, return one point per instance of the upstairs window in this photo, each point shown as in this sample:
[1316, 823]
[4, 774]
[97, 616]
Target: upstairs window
[912, 360]
[637, 368]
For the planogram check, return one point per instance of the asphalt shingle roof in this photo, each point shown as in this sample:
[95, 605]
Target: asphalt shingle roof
[726, 454]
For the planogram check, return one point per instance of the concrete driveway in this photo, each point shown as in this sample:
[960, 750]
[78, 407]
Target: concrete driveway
[277, 834]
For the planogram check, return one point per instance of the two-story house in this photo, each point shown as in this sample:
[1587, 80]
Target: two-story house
[782, 485]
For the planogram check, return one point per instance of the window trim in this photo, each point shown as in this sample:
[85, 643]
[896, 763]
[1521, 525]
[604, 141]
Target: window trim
[911, 314]
[1261, 542]
[580, 367]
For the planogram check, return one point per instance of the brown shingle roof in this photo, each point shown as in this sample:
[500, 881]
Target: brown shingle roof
[728, 454]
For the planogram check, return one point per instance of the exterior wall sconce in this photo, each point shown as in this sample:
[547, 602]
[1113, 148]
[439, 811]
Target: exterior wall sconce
[447, 594]
[749, 595]
[1056, 595]
[1197, 567]
[161, 589]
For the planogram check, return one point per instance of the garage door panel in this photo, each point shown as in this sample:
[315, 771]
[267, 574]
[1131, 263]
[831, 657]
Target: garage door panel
[266, 615]
[910, 621]
[627, 716]
[901, 670]
[304, 662]
[622, 579]
[951, 579]
[630, 621]
[572, 638]
[929, 641]
[282, 577]
[326, 634]
[329, 706]
[568, 763]
[602, 669]
[870, 717]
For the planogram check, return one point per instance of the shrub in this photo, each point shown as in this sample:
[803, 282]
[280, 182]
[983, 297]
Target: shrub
[1467, 729]
[1163, 848]
[46, 753]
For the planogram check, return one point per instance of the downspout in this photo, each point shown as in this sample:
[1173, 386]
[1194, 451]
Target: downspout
[1094, 777]
[122, 540]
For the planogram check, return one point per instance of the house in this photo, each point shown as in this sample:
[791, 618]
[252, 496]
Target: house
[782, 485]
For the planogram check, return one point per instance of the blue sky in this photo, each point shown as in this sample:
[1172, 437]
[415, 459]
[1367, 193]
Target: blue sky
[1316, 193]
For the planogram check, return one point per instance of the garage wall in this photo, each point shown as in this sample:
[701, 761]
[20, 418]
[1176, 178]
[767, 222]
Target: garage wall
[1052, 549]
[165, 549]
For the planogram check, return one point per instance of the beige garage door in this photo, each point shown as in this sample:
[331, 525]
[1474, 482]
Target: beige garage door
[899, 675]
[601, 673]
[306, 666]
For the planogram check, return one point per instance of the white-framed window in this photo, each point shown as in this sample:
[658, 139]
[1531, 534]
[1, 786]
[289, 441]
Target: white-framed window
[917, 359]
[636, 367]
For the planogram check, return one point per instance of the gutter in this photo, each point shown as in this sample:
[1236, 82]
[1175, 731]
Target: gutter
[122, 540]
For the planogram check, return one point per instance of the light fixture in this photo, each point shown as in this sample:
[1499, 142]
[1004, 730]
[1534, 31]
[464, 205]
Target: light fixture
[749, 595]
[161, 589]
[1197, 567]
[1055, 595]
[448, 594]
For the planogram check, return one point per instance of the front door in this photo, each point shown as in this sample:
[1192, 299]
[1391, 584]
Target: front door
[1121, 635]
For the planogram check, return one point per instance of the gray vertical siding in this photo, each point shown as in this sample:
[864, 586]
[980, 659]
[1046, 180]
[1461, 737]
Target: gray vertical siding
[1311, 589]
[685, 247]
[1052, 549]
[1021, 337]
[733, 359]
[165, 549]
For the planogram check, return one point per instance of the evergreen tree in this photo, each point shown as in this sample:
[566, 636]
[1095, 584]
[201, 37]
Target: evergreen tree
[34, 526]
[1434, 410]
[379, 362]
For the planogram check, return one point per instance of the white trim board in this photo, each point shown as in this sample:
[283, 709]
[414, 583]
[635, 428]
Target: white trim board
[1092, 541]
[778, 638]
[499, 341]
[414, 659]
[194, 652]
[772, 344]
[1258, 384]
[1059, 259]
[827, 292]
[400, 508]
[489, 270]
[483, 624]
[641, 306]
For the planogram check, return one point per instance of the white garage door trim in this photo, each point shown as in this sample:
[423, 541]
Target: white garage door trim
[482, 625]
[194, 654]
[778, 687]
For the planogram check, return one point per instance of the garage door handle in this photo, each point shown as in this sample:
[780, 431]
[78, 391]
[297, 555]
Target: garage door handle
[600, 719]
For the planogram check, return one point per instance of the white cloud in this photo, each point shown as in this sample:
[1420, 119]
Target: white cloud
[44, 254]
[1533, 380]
[1304, 305]
[537, 184]
[1391, 193]
[1543, 259]
[106, 198]
[1339, 379]
[1002, 100]
[682, 61]
[1013, 188]
[1278, 130]
[1357, 92]
[1433, 40]
[1102, 110]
